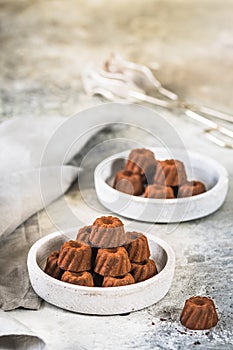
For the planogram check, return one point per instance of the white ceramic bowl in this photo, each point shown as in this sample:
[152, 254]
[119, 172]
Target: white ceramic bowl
[97, 300]
[198, 167]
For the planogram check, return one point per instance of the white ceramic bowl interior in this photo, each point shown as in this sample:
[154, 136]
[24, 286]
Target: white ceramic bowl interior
[98, 300]
[198, 167]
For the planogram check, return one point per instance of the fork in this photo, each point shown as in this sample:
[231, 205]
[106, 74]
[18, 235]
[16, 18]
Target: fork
[122, 84]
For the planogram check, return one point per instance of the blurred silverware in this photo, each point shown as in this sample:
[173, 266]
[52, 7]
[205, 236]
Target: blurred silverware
[139, 74]
[122, 80]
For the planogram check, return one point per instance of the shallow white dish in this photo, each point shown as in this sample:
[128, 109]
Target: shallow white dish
[97, 300]
[198, 167]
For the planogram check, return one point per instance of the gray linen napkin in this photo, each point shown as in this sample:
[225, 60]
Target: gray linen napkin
[15, 335]
[34, 153]
[13, 271]
[22, 171]
[22, 144]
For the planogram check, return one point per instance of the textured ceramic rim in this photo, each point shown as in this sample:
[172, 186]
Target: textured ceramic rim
[100, 183]
[37, 275]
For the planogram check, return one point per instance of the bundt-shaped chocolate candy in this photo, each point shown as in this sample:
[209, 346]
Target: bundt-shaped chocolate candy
[80, 278]
[112, 262]
[159, 191]
[118, 281]
[84, 234]
[137, 247]
[142, 161]
[191, 188]
[143, 271]
[75, 257]
[51, 268]
[128, 182]
[107, 232]
[170, 172]
[199, 313]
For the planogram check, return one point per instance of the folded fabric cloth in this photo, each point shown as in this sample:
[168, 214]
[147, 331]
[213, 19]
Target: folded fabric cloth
[22, 143]
[15, 335]
[33, 173]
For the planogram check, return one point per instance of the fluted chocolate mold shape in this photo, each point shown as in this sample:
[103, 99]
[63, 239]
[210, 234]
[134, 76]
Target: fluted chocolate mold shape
[199, 313]
[128, 182]
[112, 262]
[159, 191]
[84, 234]
[137, 247]
[107, 232]
[191, 188]
[118, 281]
[170, 172]
[51, 268]
[142, 161]
[143, 271]
[80, 278]
[75, 257]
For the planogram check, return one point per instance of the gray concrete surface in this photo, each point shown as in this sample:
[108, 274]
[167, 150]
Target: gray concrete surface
[44, 47]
